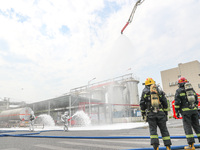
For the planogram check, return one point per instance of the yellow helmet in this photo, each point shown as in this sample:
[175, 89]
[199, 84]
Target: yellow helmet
[149, 81]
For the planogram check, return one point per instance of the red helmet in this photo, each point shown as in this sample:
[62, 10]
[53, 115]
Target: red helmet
[182, 80]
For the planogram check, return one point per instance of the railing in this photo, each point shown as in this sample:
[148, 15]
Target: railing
[123, 78]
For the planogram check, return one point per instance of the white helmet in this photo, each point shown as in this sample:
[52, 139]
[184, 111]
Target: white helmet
[66, 113]
[32, 113]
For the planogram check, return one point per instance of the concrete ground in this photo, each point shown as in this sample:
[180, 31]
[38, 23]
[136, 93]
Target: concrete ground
[59, 143]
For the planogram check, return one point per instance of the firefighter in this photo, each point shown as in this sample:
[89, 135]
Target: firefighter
[65, 118]
[186, 104]
[154, 106]
[32, 118]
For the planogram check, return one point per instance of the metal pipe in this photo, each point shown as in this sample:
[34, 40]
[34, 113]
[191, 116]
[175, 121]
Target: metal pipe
[90, 96]
[70, 105]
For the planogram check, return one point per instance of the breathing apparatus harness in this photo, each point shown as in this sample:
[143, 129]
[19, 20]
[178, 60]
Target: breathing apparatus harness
[155, 101]
[190, 95]
[153, 98]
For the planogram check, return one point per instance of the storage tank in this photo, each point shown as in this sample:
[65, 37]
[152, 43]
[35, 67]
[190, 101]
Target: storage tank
[16, 114]
[132, 91]
[115, 96]
[84, 94]
[118, 97]
[98, 94]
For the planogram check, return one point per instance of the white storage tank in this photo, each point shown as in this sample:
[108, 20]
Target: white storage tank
[84, 94]
[115, 96]
[132, 88]
[98, 94]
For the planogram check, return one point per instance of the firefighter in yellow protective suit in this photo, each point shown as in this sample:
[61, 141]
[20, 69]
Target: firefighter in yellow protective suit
[186, 103]
[153, 104]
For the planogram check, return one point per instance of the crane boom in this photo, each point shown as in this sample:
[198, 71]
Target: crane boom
[132, 14]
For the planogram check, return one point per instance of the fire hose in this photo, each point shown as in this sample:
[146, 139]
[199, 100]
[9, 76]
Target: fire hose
[35, 135]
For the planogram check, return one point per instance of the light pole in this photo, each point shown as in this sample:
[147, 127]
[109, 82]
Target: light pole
[89, 96]
[70, 106]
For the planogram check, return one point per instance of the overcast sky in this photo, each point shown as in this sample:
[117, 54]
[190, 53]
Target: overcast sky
[48, 47]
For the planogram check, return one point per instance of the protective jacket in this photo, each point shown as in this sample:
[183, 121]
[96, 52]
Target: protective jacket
[32, 117]
[155, 119]
[190, 115]
[145, 102]
[181, 101]
[64, 119]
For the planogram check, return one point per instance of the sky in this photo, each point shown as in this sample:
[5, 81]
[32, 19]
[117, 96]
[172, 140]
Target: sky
[48, 47]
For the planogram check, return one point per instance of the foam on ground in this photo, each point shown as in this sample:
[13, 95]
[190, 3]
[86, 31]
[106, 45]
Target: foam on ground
[117, 126]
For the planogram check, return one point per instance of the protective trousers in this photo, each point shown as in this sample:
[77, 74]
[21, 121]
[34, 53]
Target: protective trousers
[191, 120]
[31, 126]
[158, 120]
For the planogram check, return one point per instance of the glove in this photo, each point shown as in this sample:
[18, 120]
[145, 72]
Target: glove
[166, 113]
[178, 115]
[144, 116]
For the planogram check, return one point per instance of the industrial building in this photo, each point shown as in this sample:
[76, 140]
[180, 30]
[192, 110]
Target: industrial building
[7, 104]
[190, 70]
[109, 101]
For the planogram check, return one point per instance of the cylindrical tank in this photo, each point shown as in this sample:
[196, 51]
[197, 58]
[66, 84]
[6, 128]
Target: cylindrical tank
[84, 94]
[98, 94]
[115, 94]
[118, 97]
[132, 88]
[16, 114]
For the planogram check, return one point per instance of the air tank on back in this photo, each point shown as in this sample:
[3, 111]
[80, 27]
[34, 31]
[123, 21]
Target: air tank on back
[132, 91]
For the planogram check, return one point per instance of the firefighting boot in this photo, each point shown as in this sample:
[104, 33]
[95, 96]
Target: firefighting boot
[156, 146]
[168, 147]
[190, 147]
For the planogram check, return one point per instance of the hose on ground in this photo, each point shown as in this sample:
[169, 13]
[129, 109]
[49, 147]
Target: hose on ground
[36, 135]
